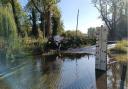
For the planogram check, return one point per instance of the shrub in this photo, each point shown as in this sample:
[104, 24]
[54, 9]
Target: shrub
[121, 47]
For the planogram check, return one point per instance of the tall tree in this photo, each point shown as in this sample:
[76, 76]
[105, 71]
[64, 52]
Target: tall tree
[57, 25]
[122, 26]
[110, 14]
[8, 31]
[33, 17]
[15, 9]
[34, 26]
[44, 7]
[13, 3]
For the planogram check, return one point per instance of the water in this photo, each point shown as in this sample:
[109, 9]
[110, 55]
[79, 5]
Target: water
[54, 72]
[117, 76]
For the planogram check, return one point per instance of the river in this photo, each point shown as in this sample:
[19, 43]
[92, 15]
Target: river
[57, 72]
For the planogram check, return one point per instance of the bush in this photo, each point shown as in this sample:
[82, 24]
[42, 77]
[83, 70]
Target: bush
[124, 43]
[121, 58]
[77, 42]
[121, 47]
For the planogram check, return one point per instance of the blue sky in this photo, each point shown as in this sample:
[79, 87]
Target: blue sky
[88, 15]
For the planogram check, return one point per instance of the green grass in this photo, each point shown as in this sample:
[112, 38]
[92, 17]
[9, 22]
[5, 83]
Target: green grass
[121, 47]
[120, 51]
[121, 58]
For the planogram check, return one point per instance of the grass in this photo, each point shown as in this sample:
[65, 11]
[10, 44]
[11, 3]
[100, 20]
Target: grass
[120, 51]
[121, 47]
[121, 58]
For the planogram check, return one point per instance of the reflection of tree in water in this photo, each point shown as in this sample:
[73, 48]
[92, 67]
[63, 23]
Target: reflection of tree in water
[45, 73]
[2, 85]
[51, 71]
[127, 76]
[114, 75]
[73, 56]
[8, 37]
[123, 82]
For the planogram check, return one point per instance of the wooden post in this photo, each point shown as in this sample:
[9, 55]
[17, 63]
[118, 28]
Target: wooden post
[77, 22]
[101, 48]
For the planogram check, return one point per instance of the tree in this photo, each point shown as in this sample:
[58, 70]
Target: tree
[15, 15]
[15, 9]
[122, 26]
[57, 24]
[91, 33]
[44, 7]
[33, 17]
[47, 15]
[8, 31]
[34, 27]
[110, 13]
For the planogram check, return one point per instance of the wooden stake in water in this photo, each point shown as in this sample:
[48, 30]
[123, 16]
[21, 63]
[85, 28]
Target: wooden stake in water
[101, 48]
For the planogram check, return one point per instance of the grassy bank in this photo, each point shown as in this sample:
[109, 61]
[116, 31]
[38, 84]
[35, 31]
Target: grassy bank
[120, 51]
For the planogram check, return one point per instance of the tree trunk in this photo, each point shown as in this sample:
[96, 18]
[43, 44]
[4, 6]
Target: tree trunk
[112, 32]
[111, 35]
[54, 25]
[42, 24]
[114, 24]
[48, 25]
[15, 17]
[126, 13]
[34, 27]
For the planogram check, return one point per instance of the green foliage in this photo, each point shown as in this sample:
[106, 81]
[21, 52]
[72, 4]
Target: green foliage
[56, 11]
[34, 44]
[44, 8]
[3, 2]
[124, 43]
[70, 34]
[121, 58]
[57, 27]
[8, 32]
[73, 41]
[91, 33]
[121, 47]
[120, 51]
[8, 27]
[18, 8]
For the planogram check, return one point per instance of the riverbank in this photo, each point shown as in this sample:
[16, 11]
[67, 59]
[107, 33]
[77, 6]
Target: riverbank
[89, 50]
[119, 52]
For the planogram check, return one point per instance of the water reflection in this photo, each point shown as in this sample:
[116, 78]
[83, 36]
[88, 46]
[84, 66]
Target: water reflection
[101, 79]
[117, 76]
[59, 72]
[123, 75]
[52, 72]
